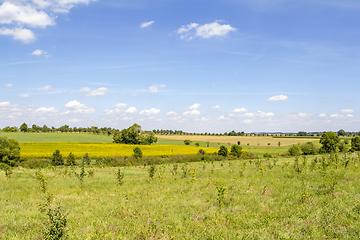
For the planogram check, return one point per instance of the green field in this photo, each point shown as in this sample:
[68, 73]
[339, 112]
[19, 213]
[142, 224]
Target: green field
[288, 200]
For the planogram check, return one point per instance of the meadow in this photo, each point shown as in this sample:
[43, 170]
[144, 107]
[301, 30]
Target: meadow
[285, 198]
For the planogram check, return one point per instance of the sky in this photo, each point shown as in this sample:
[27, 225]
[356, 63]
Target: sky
[196, 66]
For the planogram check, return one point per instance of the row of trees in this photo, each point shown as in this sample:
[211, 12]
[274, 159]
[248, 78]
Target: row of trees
[331, 143]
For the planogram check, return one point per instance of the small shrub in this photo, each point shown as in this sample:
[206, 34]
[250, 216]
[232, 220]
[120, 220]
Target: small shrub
[223, 151]
[187, 142]
[56, 225]
[268, 144]
[197, 144]
[267, 155]
[57, 159]
[120, 177]
[70, 161]
[238, 143]
[7, 169]
[201, 152]
[221, 196]
[152, 171]
[86, 159]
[236, 150]
[137, 153]
[294, 150]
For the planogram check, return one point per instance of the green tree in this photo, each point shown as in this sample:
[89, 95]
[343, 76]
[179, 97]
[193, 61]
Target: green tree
[341, 132]
[309, 148]
[197, 144]
[135, 135]
[294, 150]
[355, 143]
[9, 151]
[238, 143]
[329, 141]
[137, 153]
[70, 161]
[86, 159]
[23, 127]
[187, 142]
[235, 150]
[223, 151]
[57, 159]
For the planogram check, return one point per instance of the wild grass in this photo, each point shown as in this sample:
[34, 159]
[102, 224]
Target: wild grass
[251, 199]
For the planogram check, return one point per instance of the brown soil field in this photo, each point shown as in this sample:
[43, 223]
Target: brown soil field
[253, 141]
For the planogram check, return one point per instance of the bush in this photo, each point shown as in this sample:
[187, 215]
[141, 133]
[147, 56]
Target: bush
[9, 151]
[267, 155]
[294, 150]
[355, 143]
[86, 159]
[57, 159]
[223, 151]
[236, 150]
[309, 149]
[70, 160]
[201, 152]
[137, 153]
[187, 142]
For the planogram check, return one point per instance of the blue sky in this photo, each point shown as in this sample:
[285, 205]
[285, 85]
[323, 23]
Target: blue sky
[198, 66]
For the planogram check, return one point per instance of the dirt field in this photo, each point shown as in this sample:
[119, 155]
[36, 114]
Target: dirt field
[253, 141]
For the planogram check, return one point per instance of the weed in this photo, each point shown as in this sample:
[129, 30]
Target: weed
[193, 174]
[56, 225]
[221, 196]
[161, 173]
[185, 170]
[91, 173]
[152, 171]
[174, 169]
[80, 176]
[40, 177]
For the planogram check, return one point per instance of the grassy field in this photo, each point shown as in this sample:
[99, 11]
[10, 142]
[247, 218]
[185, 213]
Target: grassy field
[263, 199]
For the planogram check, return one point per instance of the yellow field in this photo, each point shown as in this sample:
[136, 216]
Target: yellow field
[253, 141]
[96, 150]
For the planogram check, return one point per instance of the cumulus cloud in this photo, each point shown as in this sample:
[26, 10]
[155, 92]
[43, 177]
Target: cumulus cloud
[5, 104]
[222, 117]
[38, 52]
[131, 110]
[171, 114]
[215, 107]
[239, 110]
[335, 115]
[9, 85]
[278, 98]
[78, 107]
[248, 121]
[19, 16]
[347, 111]
[97, 92]
[214, 29]
[121, 105]
[46, 110]
[305, 115]
[146, 24]
[21, 34]
[151, 111]
[155, 88]
[44, 89]
[265, 114]
[322, 115]
[191, 113]
[195, 106]
[24, 95]
[75, 120]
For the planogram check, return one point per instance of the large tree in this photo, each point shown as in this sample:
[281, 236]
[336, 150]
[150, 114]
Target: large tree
[24, 127]
[355, 143]
[9, 151]
[329, 141]
[135, 135]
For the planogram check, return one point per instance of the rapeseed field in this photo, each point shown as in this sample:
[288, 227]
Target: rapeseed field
[97, 150]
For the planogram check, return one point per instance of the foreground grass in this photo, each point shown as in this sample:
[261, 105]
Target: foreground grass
[287, 200]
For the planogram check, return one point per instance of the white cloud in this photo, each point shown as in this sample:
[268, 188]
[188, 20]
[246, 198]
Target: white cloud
[214, 29]
[97, 92]
[155, 88]
[335, 115]
[146, 24]
[20, 15]
[191, 113]
[85, 89]
[239, 110]
[78, 107]
[305, 115]
[75, 120]
[24, 15]
[44, 89]
[215, 107]
[5, 104]
[131, 110]
[38, 52]
[121, 105]
[9, 85]
[195, 106]
[278, 98]
[248, 121]
[249, 115]
[21, 34]
[322, 115]
[349, 115]
[24, 95]
[265, 114]
[46, 110]
[222, 117]
[171, 114]
[134, 94]
[347, 111]
[151, 111]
